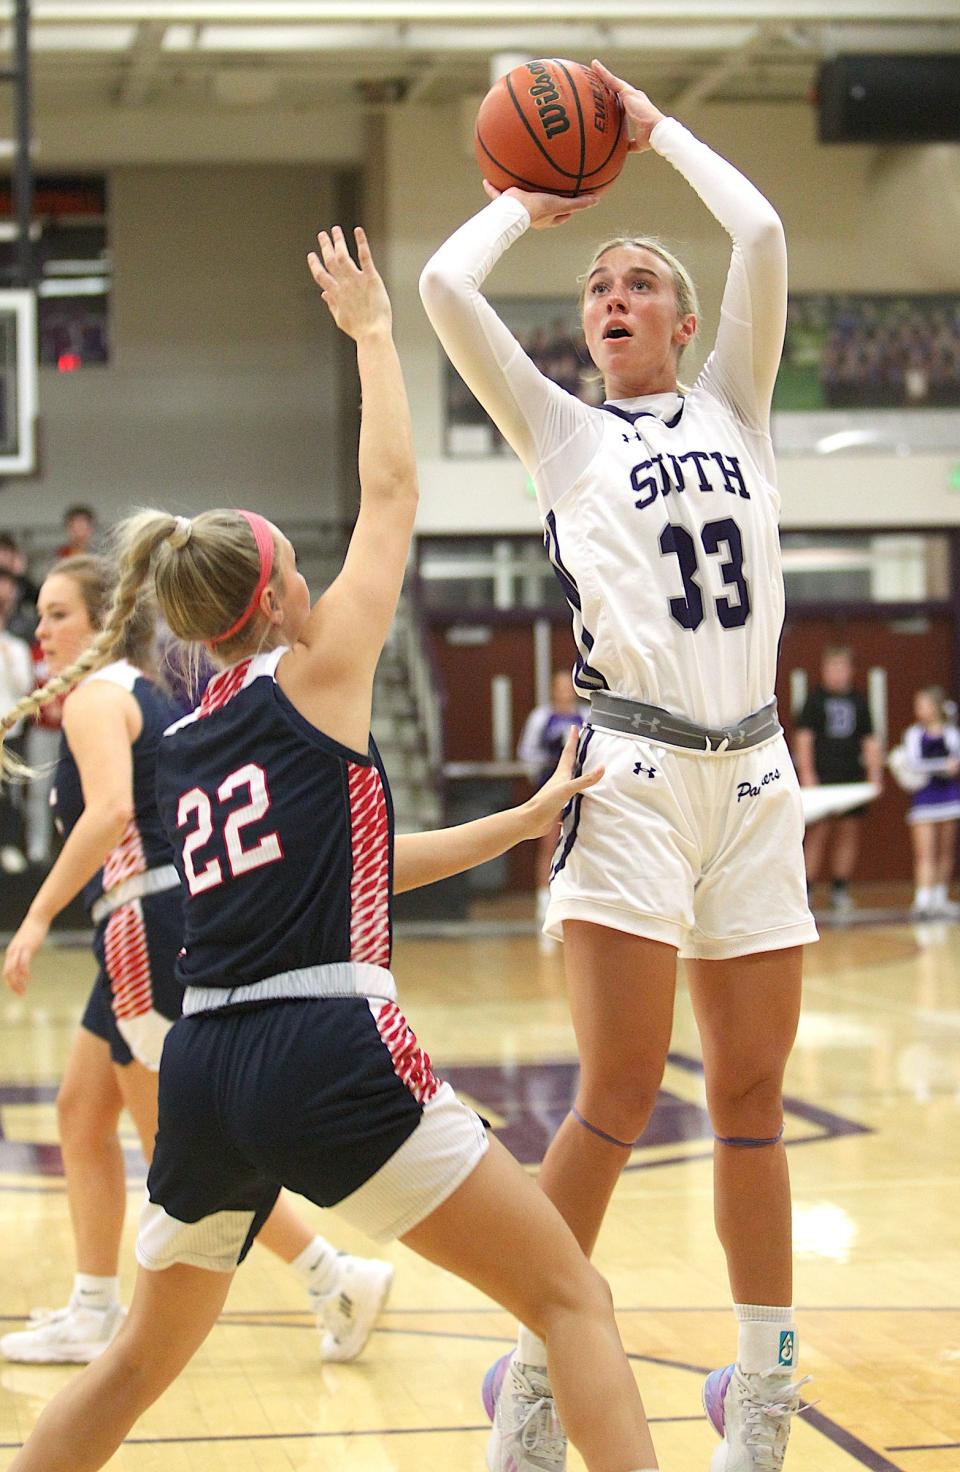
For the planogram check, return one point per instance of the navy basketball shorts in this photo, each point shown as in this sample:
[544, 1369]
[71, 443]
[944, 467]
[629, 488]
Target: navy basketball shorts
[331, 1097]
[136, 998]
[700, 850]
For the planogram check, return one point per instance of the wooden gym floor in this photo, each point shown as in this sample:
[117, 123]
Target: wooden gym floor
[873, 1129]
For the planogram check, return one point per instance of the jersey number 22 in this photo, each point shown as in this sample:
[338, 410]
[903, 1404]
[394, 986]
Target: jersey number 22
[266, 850]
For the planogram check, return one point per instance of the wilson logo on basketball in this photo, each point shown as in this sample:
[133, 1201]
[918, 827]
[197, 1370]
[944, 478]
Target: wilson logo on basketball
[553, 115]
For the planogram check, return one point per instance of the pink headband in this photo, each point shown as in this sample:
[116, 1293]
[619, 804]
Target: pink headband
[263, 537]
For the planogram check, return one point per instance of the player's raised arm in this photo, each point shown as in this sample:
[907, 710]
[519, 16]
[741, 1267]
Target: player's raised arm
[350, 621]
[527, 408]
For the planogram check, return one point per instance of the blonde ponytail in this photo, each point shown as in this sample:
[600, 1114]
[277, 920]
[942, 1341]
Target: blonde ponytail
[123, 618]
[202, 570]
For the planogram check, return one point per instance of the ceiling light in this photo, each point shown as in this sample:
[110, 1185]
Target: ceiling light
[497, 11]
[76, 286]
[73, 38]
[847, 439]
[283, 38]
[179, 38]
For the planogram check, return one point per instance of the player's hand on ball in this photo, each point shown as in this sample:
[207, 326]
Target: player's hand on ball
[546, 806]
[640, 111]
[546, 210]
[353, 291]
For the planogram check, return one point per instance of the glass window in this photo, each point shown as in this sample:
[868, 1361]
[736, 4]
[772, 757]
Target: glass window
[487, 572]
[72, 262]
[894, 567]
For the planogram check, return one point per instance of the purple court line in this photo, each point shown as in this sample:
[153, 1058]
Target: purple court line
[930, 1446]
[649, 1308]
[864, 1455]
[8, 1446]
[278, 1318]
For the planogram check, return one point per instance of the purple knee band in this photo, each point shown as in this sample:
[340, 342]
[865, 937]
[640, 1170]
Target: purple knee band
[601, 1134]
[744, 1142]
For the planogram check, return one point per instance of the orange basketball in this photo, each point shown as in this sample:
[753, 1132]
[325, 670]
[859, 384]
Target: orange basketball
[551, 126]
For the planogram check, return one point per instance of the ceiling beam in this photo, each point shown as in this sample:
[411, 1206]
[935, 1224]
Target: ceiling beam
[458, 12]
[707, 83]
[141, 65]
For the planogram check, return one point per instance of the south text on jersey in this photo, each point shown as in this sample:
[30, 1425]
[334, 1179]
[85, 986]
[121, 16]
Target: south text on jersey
[708, 471]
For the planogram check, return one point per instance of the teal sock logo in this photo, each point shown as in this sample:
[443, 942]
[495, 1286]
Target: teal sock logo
[787, 1346]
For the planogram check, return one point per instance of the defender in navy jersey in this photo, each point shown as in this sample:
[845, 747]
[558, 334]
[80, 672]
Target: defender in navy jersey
[292, 1063]
[306, 807]
[659, 510]
[106, 776]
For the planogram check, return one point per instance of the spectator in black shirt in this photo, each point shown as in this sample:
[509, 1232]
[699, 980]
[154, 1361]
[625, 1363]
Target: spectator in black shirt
[834, 742]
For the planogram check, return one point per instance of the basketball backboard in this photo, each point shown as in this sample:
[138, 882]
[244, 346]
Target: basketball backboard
[18, 382]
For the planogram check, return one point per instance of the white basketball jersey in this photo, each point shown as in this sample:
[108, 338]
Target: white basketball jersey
[667, 549]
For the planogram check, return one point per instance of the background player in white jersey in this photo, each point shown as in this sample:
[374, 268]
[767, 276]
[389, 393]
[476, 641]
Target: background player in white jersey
[660, 516]
[292, 1063]
[116, 853]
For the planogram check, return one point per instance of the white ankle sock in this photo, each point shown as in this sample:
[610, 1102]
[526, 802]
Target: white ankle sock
[92, 1292]
[316, 1267]
[923, 898]
[531, 1350]
[767, 1340]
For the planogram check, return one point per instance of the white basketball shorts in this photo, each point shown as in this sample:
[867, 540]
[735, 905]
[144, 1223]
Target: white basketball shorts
[700, 850]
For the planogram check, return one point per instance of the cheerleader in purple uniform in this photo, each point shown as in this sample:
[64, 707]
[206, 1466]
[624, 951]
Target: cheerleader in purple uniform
[932, 747]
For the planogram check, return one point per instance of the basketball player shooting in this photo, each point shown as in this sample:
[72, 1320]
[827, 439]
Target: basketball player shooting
[660, 514]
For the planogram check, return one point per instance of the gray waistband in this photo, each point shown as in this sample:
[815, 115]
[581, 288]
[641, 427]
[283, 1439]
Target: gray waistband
[154, 881]
[338, 979]
[635, 718]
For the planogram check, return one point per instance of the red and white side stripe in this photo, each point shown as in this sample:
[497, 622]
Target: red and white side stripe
[411, 1064]
[128, 962]
[369, 882]
[126, 859]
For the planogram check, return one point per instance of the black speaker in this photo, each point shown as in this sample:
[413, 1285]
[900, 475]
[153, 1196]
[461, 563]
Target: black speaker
[890, 99]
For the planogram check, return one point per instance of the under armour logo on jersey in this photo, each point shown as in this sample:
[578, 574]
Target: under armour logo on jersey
[641, 771]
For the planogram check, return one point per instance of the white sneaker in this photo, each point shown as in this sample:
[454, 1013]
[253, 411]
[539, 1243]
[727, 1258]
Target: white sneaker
[752, 1413]
[63, 1336]
[526, 1435]
[346, 1315]
[12, 861]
